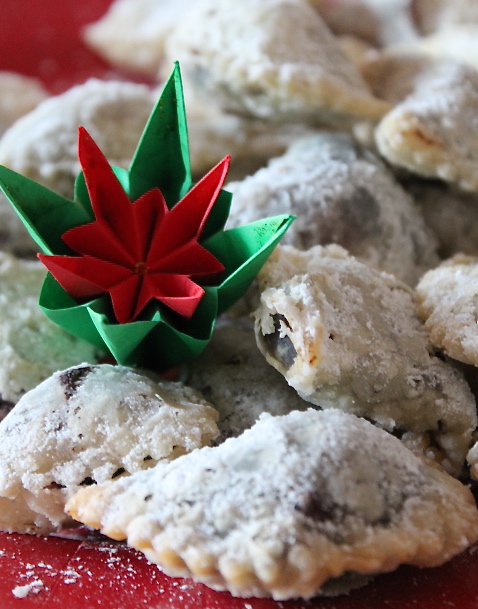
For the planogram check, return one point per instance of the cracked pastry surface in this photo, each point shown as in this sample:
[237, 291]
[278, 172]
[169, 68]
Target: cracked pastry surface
[87, 424]
[233, 375]
[347, 336]
[42, 145]
[430, 132]
[340, 193]
[293, 502]
[271, 59]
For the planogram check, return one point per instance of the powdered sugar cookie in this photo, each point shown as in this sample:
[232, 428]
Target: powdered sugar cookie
[31, 346]
[233, 375]
[355, 49]
[450, 213]
[288, 505]
[458, 42]
[43, 144]
[429, 132]
[18, 95]
[14, 237]
[393, 74]
[133, 32]
[448, 303]
[433, 15]
[272, 59]
[380, 22]
[346, 336]
[340, 193]
[88, 424]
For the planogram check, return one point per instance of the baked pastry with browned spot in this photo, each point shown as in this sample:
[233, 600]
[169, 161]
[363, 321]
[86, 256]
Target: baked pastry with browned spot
[287, 508]
[347, 336]
[429, 133]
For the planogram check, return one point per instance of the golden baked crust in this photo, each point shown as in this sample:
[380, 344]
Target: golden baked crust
[290, 504]
[429, 132]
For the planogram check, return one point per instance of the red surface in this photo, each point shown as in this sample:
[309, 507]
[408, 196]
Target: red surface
[99, 573]
[40, 37]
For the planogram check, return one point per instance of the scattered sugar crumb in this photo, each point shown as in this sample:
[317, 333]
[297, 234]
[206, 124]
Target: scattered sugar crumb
[23, 591]
[70, 576]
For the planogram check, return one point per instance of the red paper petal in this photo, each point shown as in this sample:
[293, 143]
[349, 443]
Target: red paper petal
[187, 218]
[96, 239]
[190, 259]
[177, 292]
[84, 277]
[108, 198]
[124, 297]
[149, 212]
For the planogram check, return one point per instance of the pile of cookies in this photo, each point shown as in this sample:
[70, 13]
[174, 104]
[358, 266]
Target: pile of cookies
[328, 432]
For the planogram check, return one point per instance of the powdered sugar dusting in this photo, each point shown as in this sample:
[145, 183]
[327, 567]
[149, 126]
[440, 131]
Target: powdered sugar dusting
[291, 491]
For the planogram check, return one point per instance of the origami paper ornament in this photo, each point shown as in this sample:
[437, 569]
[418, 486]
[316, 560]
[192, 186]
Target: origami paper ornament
[139, 262]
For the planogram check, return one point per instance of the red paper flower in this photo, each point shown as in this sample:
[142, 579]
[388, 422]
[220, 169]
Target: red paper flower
[138, 251]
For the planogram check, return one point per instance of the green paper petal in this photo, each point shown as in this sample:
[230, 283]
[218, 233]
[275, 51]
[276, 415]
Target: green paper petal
[159, 342]
[81, 190]
[61, 308]
[167, 345]
[162, 157]
[243, 251]
[125, 342]
[46, 214]
[218, 215]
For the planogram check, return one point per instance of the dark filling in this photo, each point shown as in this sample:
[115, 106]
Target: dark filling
[54, 485]
[314, 506]
[72, 379]
[118, 472]
[318, 506]
[280, 347]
